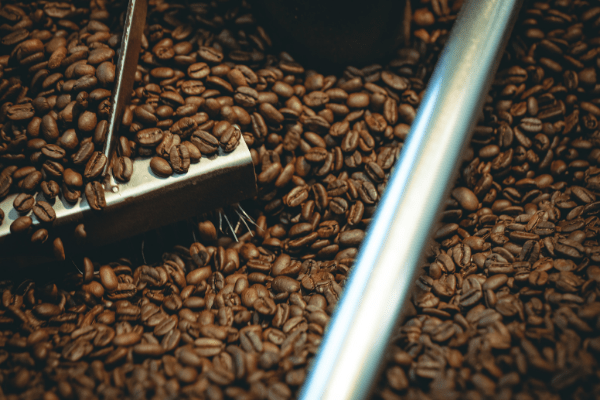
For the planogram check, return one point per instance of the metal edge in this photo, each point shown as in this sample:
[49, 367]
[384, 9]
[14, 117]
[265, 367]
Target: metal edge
[236, 167]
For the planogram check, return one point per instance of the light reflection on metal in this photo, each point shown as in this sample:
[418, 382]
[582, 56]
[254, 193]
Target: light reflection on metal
[381, 281]
[131, 44]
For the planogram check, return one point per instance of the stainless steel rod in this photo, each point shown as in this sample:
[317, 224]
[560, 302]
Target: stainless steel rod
[131, 44]
[382, 279]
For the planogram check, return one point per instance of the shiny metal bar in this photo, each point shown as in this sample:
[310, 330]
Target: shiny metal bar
[131, 45]
[382, 279]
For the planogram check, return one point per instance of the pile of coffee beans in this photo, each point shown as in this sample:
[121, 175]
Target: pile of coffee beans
[505, 308]
[195, 86]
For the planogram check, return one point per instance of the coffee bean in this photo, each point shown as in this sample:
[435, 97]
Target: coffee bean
[172, 99]
[72, 195]
[149, 137]
[375, 172]
[316, 155]
[20, 224]
[95, 165]
[108, 278]
[23, 203]
[209, 54]
[44, 212]
[351, 238]
[59, 250]
[84, 153]
[466, 198]
[49, 128]
[87, 122]
[338, 205]
[180, 159]
[368, 193]
[145, 114]
[51, 189]
[198, 70]
[46, 310]
[86, 83]
[358, 100]
[69, 140]
[270, 113]
[32, 180]
[123, 169]
[230, 139]
[284, 284]
[205, 142]
[5, 184]
[94, 193]
[161, 167]
[106, 73]
[20, 112]
[99, 136]
[39, 236]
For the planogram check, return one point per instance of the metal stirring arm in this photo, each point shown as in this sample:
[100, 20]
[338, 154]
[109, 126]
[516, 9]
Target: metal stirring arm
[383, 277]
[131, 45]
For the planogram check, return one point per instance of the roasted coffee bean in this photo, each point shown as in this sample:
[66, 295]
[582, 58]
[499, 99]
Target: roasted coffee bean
[205, 142]
[44, 212]
[123, 169]
[53, 152]
[5, 184]
[179, 157]
[99, 136]
[465, 198]
[149, 137]
[87, 122]
[39, 236]
[23, 203]
[21, 225]
[94, 193]
[161, 167]
[72, 195]
[230, 139]
[72, 178]
[95, 165]
[106, 73]
[316, 155]
[32, 180]
[108, 278]
[198, 70]
[51, 189]
[351, 238]
[59, 250]
[49, 128]
[338, 205]
[69, 140]
[20, 112]
[184, 127]
[84, 153]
